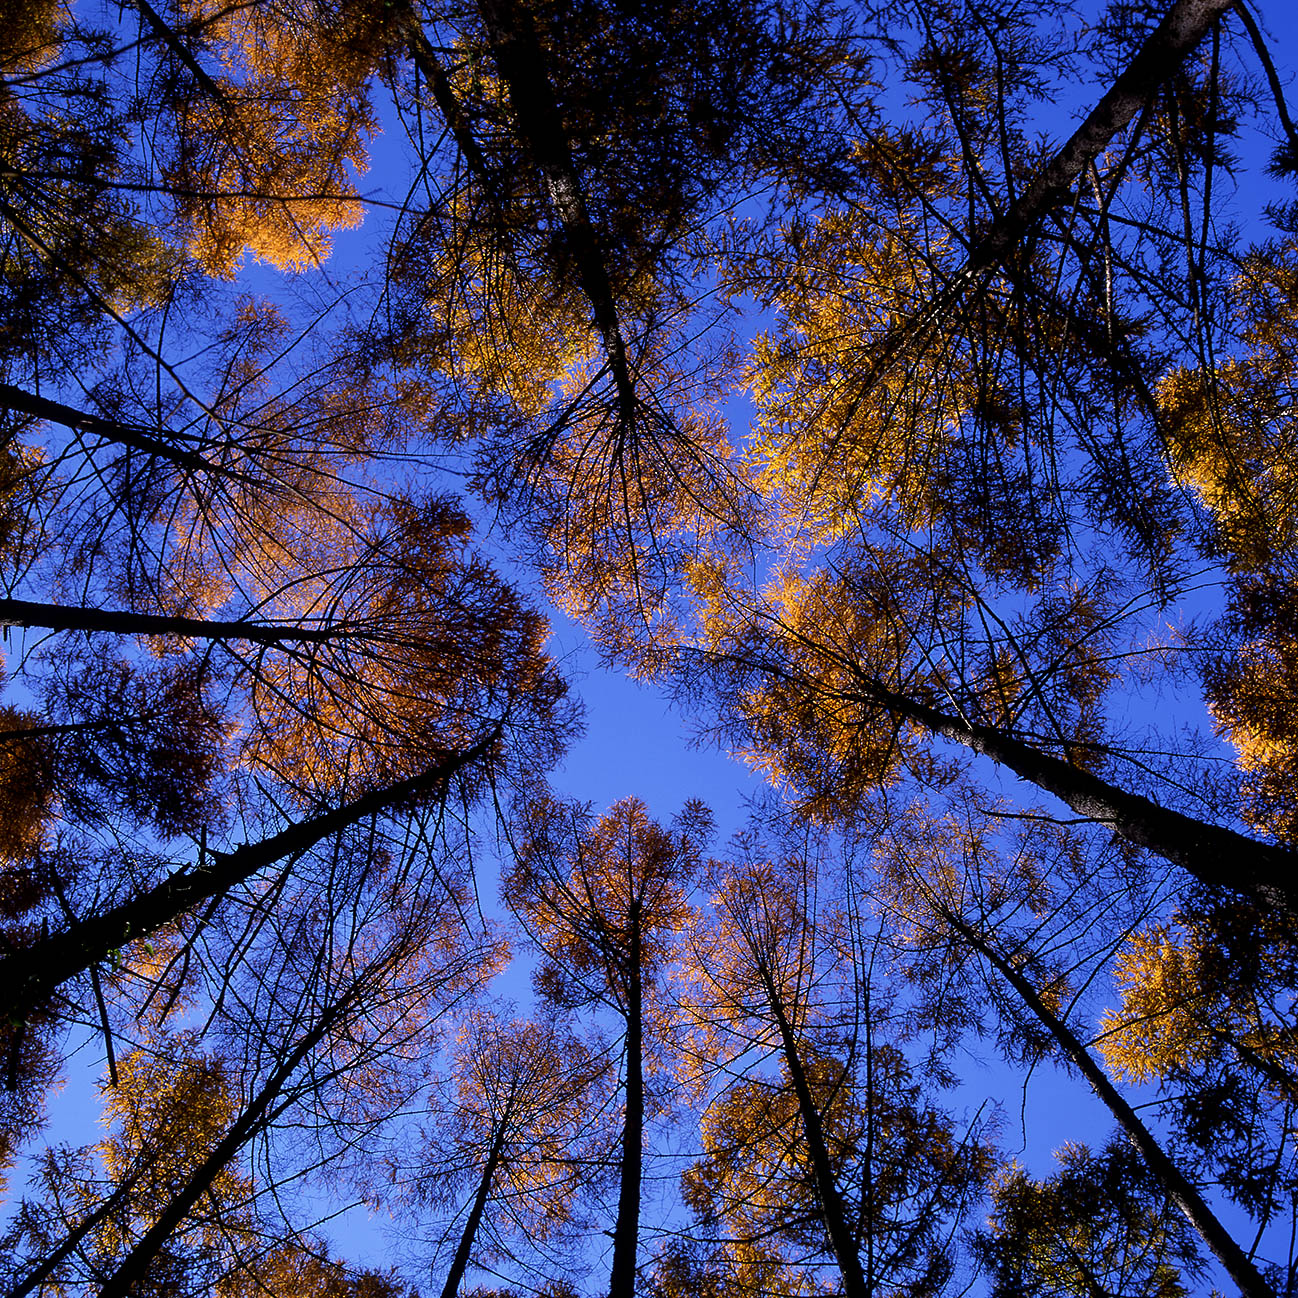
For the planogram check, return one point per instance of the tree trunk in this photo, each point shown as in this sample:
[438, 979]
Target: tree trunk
[111, 430]
[39, 1274]
[460, 1262]
[1182, 1192]
[846, 1253]
[1217, 857]
[626, 1234]
[32, 973]
[1164, 51]
[1186, 23]
[521, 64]
[64, 617]
[135, 1265]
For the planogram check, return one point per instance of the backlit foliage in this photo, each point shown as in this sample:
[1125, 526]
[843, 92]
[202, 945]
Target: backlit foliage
[1184, 1001]
[268, 142]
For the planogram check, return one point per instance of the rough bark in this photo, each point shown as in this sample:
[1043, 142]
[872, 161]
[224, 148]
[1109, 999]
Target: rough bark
[626, 1233]
[460, 1262]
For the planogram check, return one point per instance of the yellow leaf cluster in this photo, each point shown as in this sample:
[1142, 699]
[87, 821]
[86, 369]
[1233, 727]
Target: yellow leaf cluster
[270, 143]
[1176, 1012]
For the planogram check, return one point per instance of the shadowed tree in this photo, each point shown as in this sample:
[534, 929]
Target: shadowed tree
[518, 1131]
[602, 900]
[1097, 1226]
[838, 1155]
[1020, 928]
[323, 1009]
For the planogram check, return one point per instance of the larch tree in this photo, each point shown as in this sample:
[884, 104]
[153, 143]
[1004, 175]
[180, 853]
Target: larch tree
[1099, 1225]
[1025, 928]
[603, 901]
[512, 1148]
[908, 385]
[837, 1156]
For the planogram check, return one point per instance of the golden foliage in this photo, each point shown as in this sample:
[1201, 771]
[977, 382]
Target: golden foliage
[29, 35]
[267, 148]
[1178, 1008]
[605, 900]
[1231, 432]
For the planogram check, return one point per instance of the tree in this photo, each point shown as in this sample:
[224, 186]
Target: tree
[839, 1153]
[518, 1131]
[954, 895]
[1203, 1015]
[602, 901]
[322, 1008]
[1019, 455]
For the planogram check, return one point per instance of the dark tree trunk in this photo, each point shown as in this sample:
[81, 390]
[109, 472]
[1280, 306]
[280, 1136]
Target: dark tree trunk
[460, 1262]
[1186, 23]
[28, 976]
[521, 62]
[135, 1265]
[111, 430]
[626, 1234]
[1179, 1189]
[42, 1272]
[65, 617]
[846, 1253]
[1217, 857]
[1165, 50]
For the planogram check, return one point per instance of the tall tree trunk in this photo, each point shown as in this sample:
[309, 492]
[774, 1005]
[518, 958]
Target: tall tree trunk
[135, 1265]
[111, 430]
[521, 63]
[1166, 48]
[846, 1253]
[1186, 23]
[1179, 1189]
[1220, 858]
[29, 975]
[35, 1278]
[66, 617]
[626, 1234]
[460, 1262]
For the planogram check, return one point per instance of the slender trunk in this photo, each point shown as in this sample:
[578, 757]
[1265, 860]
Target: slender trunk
[1179, 1189]
[111, 430]
[846, 1253]
[66, 617]
[135, 1265]
[1186, 24]
[169, 38]
[42, 1272]
[29, 975]
[1220, 858]
[425, 59]
[626, 1234]
[1164, 51]
[521, 62]
[461, 1260]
